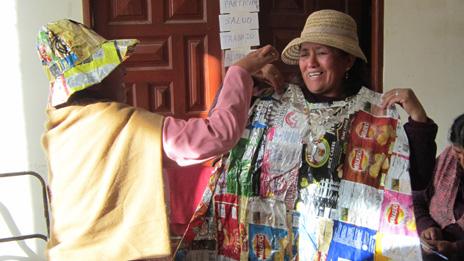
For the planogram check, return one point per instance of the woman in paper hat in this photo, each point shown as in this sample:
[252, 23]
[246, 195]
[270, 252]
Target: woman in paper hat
[105, 158]
[324, 171]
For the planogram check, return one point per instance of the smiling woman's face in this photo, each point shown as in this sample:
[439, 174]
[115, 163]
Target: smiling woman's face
[323, 68]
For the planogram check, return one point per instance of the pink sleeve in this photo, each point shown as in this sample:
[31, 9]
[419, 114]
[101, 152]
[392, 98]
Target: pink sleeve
[195, 140]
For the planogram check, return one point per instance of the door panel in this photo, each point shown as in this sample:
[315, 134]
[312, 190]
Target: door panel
[176, 68]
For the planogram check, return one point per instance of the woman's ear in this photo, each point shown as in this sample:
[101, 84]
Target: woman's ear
[351, 59]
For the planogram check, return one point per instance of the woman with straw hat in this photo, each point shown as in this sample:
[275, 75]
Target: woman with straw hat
[105, 158]
[326, 52]
[323, 171]
[329, 58]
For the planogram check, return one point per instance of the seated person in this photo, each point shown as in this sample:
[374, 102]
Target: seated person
[439, 209]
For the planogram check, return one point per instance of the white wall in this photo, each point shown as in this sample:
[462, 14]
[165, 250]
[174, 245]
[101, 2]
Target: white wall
[424, 50]
[24, 96]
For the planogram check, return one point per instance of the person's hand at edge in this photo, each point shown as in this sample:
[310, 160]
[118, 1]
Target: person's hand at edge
[447, 248]
[430, 235]
[407, 100]
[255, 60]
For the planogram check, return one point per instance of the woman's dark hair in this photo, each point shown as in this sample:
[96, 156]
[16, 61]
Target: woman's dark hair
[357, 77]
[456, 135]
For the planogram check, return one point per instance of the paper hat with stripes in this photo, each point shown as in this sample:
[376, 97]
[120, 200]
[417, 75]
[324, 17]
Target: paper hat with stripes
[75, 57]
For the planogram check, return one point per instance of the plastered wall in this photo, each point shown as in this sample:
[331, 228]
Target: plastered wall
[22, 110]
[424, 50]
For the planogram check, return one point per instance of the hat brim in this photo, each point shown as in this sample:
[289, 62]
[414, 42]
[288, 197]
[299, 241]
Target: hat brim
[291, 53]
[91, 71]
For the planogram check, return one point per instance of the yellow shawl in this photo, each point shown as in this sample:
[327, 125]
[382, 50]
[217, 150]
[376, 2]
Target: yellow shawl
[105, 177]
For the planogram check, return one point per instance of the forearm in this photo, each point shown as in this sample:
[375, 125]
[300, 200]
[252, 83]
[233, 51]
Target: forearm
[421, 210]
[195, 140]
[421, 137]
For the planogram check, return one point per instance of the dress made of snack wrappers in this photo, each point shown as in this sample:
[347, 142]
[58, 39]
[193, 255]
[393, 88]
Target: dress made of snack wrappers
[310, 181]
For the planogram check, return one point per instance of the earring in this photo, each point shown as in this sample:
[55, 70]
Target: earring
[347, 75]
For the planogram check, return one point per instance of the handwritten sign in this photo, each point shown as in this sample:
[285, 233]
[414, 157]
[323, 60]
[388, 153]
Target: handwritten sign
[239, 26]
[229, 6]
[238, 21]
[232, 56]
[241, 38]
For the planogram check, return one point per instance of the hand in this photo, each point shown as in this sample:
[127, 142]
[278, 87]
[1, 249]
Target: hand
[428, 236]
[406, 99]
[444, 247]
[257, 59]
[431, 233]
[272, 76]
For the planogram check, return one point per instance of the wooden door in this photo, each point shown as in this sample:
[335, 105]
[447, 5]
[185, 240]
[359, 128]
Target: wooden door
[176, 68]
[282, 20]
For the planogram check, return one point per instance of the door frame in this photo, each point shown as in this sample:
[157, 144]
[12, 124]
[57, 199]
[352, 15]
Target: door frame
[377, 11]
[376, 63]
[87, 13]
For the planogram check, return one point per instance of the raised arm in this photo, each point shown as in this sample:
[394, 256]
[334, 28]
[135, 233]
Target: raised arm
[195, 140]
[421, 132]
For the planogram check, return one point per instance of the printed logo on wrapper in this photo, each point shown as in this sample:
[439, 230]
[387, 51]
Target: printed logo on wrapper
[397, 214]
[261, 246]
[317, 153]
[267, 243]
[379, 131]
[359, 159]
[394, 214]
[291, 119]
[364, 131]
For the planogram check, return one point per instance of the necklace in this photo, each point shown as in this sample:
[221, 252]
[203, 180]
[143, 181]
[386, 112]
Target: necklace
[318, 118]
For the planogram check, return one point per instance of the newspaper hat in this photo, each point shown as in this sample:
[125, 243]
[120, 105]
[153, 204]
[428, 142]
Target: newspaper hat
[75, 57]
[327, 27]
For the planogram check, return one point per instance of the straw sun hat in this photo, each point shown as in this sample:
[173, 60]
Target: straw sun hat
[75, 57]
[326, 27]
